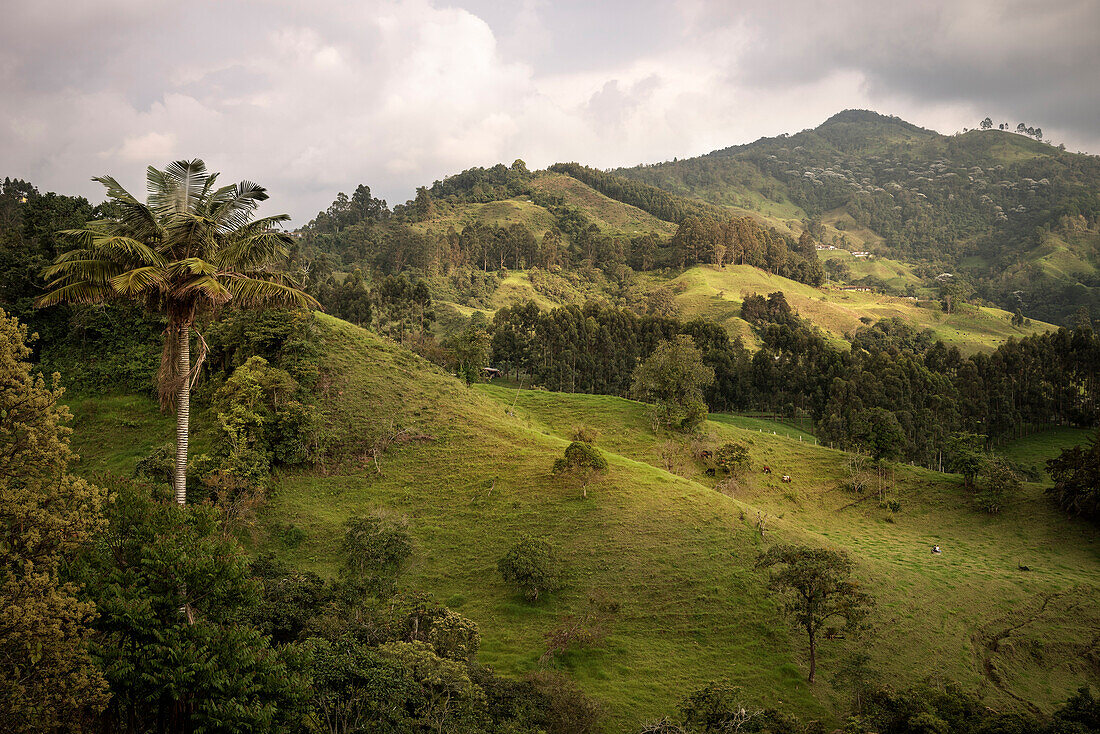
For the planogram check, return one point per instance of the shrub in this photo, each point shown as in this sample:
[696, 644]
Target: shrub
[455, 637]
[375, 549]
[530, 565]
[733, 458]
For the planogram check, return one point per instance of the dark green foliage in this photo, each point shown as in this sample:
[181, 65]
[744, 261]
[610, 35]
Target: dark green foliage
[261, 424]
[1076, 474]
[174, 599]
[375, 548]
[816, 589]
[354, 688]
[284, 338]
[530, 565]
[568, 710]
[288, 599]
[733, 458]
[582, 461]
[470, 349]
[659, 203]
[997, 483]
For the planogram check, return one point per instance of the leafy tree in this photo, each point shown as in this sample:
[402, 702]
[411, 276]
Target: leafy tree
[880, 434]
[582, 461]
[174, 596]
[998, 481]
[673, 378]
[1076, 474]
[190, 251]
[375, 549]
[733, 458]
[449, 700]
[966, 455]
[986, 124]
[47, 679]
[356, 689]
[530, 564]
[455, 637]
[816, 588]
[471, 349]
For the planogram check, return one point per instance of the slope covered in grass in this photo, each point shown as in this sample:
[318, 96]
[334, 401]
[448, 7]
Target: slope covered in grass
[970, 615]
[655, 537]
[669, 551]
[717, 295]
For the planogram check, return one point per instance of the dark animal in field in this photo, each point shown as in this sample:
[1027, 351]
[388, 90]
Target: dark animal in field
[710, 472]
[704, 454]
[767, 469]
[1022, 567]
[787, 478]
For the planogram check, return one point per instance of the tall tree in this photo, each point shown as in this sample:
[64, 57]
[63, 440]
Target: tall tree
[816, 588]
[47, 679]
[191, 250]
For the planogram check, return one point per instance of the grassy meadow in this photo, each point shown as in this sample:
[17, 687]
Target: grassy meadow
[657, 539]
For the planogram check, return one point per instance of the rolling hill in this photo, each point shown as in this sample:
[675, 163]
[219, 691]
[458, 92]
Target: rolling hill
[1018, 217]
[655, 537]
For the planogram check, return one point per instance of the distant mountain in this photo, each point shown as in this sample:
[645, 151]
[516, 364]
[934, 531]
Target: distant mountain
[1015, 219]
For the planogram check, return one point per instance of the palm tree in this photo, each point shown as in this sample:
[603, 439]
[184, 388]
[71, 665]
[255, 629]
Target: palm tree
[190, 251]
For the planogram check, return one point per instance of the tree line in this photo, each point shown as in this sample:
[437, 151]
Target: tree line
[893, 380]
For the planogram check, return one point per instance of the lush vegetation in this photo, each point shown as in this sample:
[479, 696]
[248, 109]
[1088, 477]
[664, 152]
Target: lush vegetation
[372, 540]
[1014, 218]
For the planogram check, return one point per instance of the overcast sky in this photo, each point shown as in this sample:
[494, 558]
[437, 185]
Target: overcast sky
[312, 98]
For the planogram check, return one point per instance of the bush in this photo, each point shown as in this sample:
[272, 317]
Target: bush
[455, 637]
[733, 458]
[375, 549]
[530, 565]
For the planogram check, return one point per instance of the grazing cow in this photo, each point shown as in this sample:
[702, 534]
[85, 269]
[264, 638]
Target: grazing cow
[767, 469]
[787, 478]
[936, 549]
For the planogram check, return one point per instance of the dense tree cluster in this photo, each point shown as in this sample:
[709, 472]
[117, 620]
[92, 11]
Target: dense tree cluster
[895, 393]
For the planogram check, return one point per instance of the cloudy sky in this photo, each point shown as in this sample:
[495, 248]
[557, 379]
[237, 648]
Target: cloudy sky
[313, 98]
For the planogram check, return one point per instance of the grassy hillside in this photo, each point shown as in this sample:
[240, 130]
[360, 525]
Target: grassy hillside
[998, 206]
[612, 217]
[717, 295]
[657, 538]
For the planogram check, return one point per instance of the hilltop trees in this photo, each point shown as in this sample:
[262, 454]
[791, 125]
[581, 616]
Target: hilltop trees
[190, 250]
[816, 589]
[47, 678]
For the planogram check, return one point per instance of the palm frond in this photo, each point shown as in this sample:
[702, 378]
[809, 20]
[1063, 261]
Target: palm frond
[233, 208]
[253, 250]
[78, 292]
[127, 250]
[258, 292]
[207, 286]
[95, 270]
[177, 187]
[190, 266]
[190, 235]
[138, 280]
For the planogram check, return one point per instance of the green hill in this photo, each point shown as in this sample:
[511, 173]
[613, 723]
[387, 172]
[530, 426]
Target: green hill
[658, 540]
[986, 203]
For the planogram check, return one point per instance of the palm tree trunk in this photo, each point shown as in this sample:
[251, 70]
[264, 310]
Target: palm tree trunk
[183, 412]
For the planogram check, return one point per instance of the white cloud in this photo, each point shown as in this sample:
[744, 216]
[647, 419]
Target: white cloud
[395, 94]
